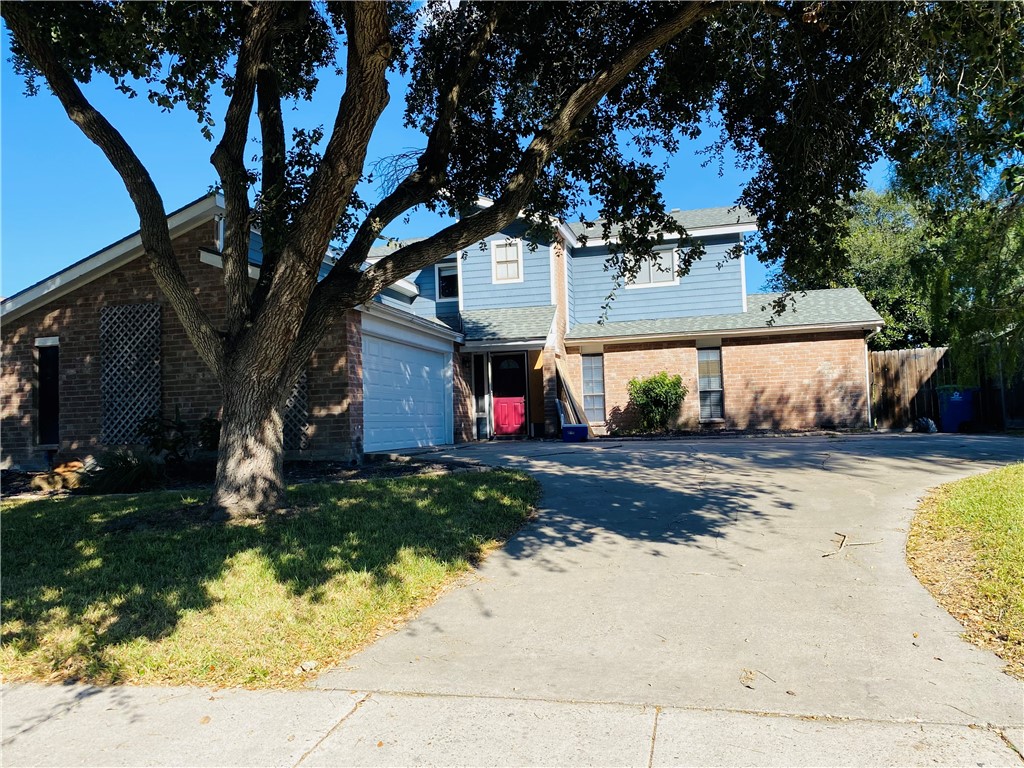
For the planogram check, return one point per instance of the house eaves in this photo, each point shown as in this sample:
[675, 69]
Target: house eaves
[106, 260]
[559, 226]
[129, 248]
[403, 286]
[698, 223]
[413, 321]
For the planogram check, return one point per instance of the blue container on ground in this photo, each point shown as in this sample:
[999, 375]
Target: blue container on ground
[574, 433]
[956, 407]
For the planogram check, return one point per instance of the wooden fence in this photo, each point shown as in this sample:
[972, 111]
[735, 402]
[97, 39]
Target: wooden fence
[905, 386]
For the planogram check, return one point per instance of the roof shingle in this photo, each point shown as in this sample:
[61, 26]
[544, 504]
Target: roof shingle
[516, 323]
[835, 306]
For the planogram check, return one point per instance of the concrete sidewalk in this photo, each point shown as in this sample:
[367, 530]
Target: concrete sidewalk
[79, 725]
[669, 606]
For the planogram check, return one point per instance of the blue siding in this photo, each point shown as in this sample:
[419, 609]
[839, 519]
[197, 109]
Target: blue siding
[426, 304]
[480, 292]
[712, 287]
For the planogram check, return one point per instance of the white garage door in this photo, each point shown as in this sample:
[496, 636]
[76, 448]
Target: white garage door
[406, 395]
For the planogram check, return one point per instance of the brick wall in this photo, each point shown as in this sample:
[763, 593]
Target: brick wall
[795, 382]
[335, 386]
[462, 395]
[770, 382]
[187, 384]
[623, 362]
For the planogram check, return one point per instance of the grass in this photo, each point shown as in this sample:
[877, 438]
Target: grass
[141, 589]
[966, 546]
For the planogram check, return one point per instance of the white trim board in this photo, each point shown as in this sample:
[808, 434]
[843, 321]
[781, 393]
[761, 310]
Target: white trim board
[378, 315]
[507, 241]
[788, 330]
[437, 282]
[105, 261]
[504, 346]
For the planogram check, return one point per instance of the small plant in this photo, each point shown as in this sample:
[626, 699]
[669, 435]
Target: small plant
[656, 400]
[170, 439]
[124, 470]
[209, 433]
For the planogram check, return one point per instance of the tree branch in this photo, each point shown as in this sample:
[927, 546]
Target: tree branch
[229, 160]
[156, 238]
[351, 288]
[272, 197]
[428, 176]
[364, 99]
[559, 130]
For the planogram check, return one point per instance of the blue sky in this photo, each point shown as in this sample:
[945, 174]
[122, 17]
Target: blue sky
[60, 200]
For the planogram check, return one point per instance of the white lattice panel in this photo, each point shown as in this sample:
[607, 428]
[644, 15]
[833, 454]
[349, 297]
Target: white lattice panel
[296, 417]
[130, 374]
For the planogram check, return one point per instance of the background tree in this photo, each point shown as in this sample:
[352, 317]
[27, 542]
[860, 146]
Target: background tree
[959, 154]
[540, 107]
[882, 252]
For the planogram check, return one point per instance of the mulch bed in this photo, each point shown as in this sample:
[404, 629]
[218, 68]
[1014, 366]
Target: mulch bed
[194, 475]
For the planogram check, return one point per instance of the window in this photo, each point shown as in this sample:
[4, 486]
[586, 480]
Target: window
[447, 276]
[508, 261]
[48, 392]
[709, 382]
[593, 388]
[659, 269]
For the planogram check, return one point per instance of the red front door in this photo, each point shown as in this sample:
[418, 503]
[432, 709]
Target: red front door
[508, 381]
[509, 415]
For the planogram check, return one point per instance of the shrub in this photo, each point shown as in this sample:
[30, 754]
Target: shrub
[124, 470]
[209, 434]
[656, 400]
[169, 439]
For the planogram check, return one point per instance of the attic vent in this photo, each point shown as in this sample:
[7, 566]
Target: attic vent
[295, 417]
[130, 373]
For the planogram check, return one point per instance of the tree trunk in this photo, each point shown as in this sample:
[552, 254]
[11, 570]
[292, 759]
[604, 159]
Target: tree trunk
[250, 465]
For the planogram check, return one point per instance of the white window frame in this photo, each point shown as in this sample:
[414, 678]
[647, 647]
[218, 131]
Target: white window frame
[701, 391]
[672, 276]
[437, 281]
[518, 243]
[604, 389]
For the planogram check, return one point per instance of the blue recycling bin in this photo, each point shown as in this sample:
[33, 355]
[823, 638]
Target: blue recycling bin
[956, 407]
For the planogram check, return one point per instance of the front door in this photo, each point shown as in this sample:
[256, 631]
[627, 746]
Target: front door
[508, 384]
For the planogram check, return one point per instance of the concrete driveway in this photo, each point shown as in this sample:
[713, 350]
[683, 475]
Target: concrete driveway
[691, 574]
[670, 605]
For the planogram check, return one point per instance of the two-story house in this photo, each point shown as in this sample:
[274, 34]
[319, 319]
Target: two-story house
[538, 325]
[480, 345]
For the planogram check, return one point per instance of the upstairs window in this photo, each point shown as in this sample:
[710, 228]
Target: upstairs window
[709, 382]
[656, 270]
[447, 276]
[507, 258]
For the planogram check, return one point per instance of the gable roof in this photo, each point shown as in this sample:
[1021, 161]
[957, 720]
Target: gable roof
[720, 220]
[834, 308]
[106, 259]
[128, 248]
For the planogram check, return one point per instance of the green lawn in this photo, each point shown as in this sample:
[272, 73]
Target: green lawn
[141, 589]
[967, 546]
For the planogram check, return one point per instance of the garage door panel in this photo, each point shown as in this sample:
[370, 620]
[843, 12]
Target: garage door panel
[404, 395]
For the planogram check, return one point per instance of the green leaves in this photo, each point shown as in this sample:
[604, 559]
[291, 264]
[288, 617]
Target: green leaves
[656, 400]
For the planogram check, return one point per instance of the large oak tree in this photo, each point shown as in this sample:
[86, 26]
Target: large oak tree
[540, 106]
